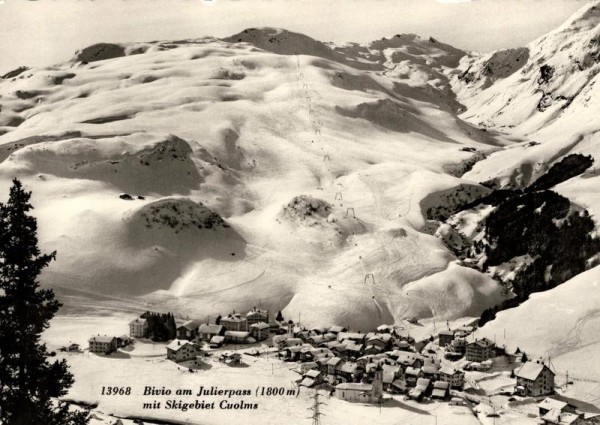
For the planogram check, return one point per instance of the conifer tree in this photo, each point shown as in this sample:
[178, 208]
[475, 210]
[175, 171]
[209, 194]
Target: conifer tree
[30, 384]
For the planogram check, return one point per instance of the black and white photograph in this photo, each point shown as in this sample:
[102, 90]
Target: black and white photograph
[320, 212]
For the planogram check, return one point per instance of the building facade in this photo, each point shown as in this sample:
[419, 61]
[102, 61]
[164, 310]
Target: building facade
[534, 379]
[480, 350]
[102, 344]
[138, 328]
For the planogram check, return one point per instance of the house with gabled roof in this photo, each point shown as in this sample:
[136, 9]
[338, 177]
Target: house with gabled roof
[182, 350]
[550, 403]
[102, 344]
[557, 417]
[188, 330]
[534, 379]
[454, 377]
[207, 331]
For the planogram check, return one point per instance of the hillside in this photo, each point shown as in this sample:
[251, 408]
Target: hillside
[127, 148]
[209, 175]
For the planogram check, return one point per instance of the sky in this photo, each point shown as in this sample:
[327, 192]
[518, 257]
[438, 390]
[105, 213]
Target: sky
[44, 32]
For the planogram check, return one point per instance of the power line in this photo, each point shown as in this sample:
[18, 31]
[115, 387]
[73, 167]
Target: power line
[316, 415]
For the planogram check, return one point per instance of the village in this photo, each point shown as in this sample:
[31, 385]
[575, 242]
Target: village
[369, 368]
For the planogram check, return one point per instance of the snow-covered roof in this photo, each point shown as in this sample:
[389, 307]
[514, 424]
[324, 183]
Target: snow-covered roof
[104, 339]
[237, 334]
[138, 321]
[312, 373]
[178, 344]
[483, 343]
[447, 370]
[334, 361]
[555, 416]
[354, 386]
[210, 329]
[530, 371]
[190, 325]
[551, 403]
[307, 382]
[260, 325]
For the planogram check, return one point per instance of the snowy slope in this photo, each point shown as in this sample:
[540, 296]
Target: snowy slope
[237, 130]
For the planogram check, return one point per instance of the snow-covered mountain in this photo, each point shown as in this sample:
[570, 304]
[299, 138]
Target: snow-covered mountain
[268, 168]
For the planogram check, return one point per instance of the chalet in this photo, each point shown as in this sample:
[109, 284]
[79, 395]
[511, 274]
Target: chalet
[407, 359]
[217, 341]
[420, 390]
[445, 338]
[398, 387]
[390, 374]
[291, 354]
[278, 341]
[315, 375]
[480, 350]
[354, 349]
[102, 344]
[188, 331]
[333, 364]
[552, 404]
[360, 392]
[431, 371]
[71, 348]
[454, 377]
[315, 340]
[182, 350]
[557, 417]
[534, 379]
[349, 371]
[230, 358]
[138, 328]
[412, 375]
[257, 315]
[305, 367]
[351, 336]
[206, 331]
[292, 342]
[306, 354]
[337, 329]
[239, 337]
[259, 331]
[384, 341]
[440, 390]
[234, 322]
[321, 352]
[312, 378]
[403, 346]
[319, 330]
[303, 335]
[339, 349]
[123, 341]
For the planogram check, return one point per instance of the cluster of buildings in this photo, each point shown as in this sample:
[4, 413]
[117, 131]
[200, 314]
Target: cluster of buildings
[533, 379]
[361, 366]
[102, 344]
[557, 412]
[234, 329]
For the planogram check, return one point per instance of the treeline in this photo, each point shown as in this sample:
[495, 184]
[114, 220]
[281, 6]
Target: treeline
[161, 326]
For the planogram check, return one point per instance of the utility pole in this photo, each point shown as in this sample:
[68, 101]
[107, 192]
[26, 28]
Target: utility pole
[316, 413]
